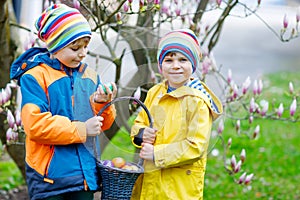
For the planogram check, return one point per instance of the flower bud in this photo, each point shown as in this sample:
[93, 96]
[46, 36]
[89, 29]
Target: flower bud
[125, 7]
[256, 132]
[76, 4]
[238, 167]
[229, 142]
[18, 118]
[233, 162]
[285, 22]
[280, 110]
[248, 179]
[265, 108]
[251, 119]
[238, 126]
[218, 2]
[255, 87]
[293, 108]
[246, 85]
[221, 127]
[242, 178]
[243, 155]
[260, 87]
[291, 87]
[229, 76]
[10, 119]
[252, 106]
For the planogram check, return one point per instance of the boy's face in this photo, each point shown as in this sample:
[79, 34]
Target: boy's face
[177, 69]
[73, 54]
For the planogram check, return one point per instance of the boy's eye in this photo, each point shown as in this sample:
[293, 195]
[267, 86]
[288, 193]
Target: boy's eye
[183, 59]
[74, 48]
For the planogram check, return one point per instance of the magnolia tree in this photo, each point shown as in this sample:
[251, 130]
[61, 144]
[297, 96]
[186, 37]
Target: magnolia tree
[139, 24]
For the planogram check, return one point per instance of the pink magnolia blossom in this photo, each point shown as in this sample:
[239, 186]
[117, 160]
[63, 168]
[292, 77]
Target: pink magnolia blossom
[251, 118]
[125, 7]
[229, 142]
[245, 85]
[218, 2]
[243, 155]
[235, 91]
[177, 11]
[221, 127]
[233, 162]
[18, 118]
[10, 119]
[291, 87]
[259, 87]
[293, 107]
[238, 125]
[265, 108]
[285, 22]
[242, 178]
[256, 132]
[280, 110]
[11, 135]
[76, 4]
[252, 106]
[248, 179]
[238, 166]
[255, 87]
[156, 2]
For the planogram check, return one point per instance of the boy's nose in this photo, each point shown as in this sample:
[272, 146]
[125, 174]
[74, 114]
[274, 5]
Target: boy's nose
[82, 53]
[175, 64]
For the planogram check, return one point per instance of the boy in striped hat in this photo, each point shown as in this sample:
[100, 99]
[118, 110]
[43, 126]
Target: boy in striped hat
[183, 109]
[61, 98]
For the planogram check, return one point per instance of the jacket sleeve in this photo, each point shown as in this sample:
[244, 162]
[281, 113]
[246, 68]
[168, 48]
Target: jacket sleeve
[194, 146]
[140, 123]
[39, 124]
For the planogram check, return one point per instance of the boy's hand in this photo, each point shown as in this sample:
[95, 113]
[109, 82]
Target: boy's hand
[93, 126]
[147, 152]
[101, 96]
[149, 135]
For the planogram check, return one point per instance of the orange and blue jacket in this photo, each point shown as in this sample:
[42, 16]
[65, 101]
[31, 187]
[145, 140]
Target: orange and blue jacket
[56, 102]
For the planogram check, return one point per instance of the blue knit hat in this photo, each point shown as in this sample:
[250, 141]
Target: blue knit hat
[60, 25]
[184, 41]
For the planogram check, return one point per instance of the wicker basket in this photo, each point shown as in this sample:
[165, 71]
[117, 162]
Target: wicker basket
[117, 183]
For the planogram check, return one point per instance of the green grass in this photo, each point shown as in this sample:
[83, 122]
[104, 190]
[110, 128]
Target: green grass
[274, 157]
[10, 175]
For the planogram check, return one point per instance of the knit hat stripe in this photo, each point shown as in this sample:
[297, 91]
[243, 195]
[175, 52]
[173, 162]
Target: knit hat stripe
[182, 40]
[70, 37]
[64, 28]
[175, 47]
[59, 25]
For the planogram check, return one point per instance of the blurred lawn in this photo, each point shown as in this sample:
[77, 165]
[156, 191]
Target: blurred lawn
[274, 157]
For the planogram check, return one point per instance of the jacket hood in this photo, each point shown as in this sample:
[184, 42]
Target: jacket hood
[30, 59]
[196, 87]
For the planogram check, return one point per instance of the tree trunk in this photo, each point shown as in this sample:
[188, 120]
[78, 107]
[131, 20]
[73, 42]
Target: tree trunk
[7, 55]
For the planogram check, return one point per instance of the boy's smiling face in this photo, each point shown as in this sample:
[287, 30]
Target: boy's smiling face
[177, 69]
[74, 53]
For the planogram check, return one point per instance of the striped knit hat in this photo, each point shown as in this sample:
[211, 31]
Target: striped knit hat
[60, 25]
[183, 41]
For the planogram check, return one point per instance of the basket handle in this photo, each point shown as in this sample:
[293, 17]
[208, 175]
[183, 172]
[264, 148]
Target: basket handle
[140, 162]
